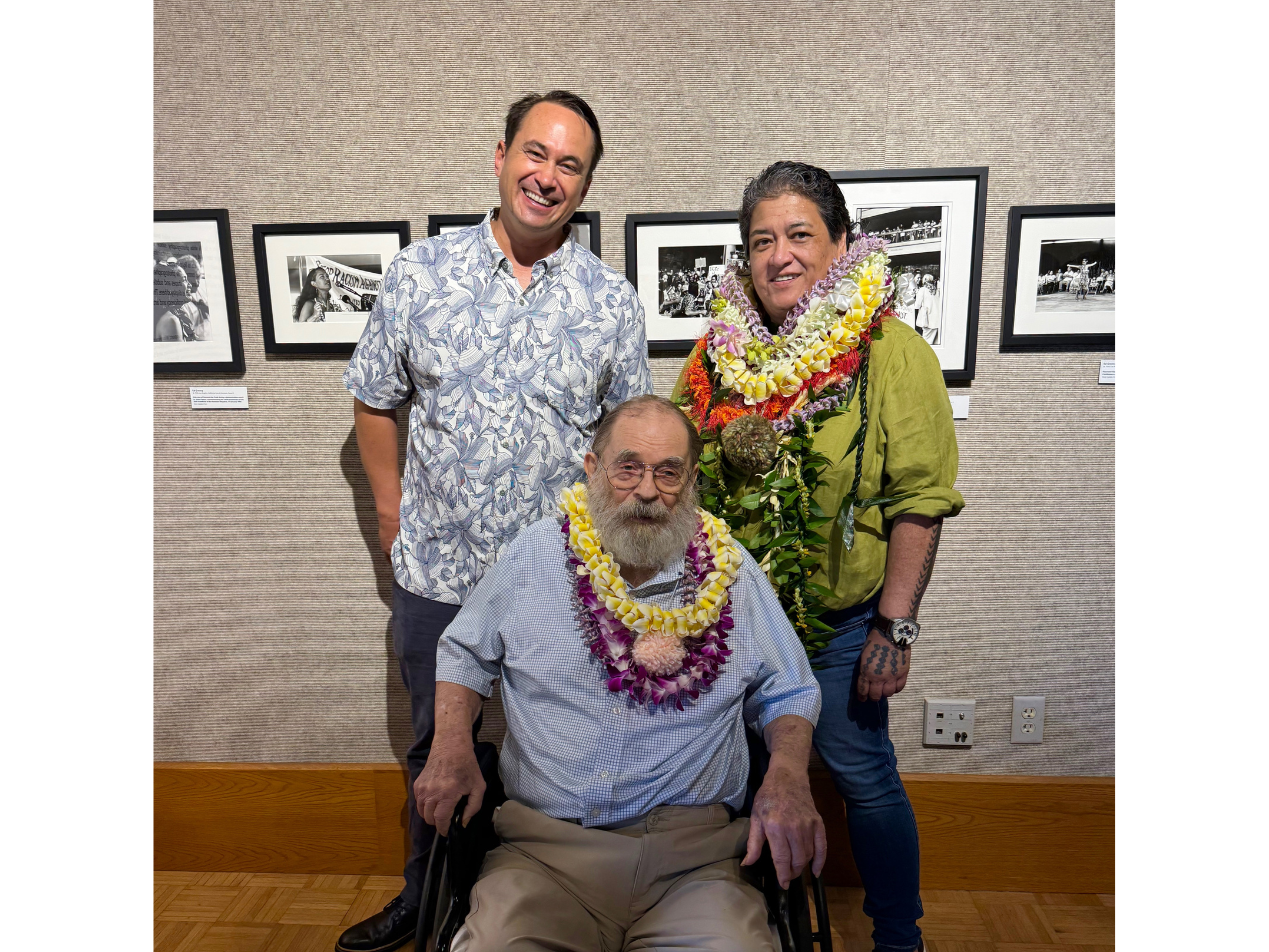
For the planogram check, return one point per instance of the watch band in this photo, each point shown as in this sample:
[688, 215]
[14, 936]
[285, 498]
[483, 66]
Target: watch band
[886, 627]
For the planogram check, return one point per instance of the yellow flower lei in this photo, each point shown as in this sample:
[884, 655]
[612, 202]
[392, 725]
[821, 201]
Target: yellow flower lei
[605, 575]
[831, 326]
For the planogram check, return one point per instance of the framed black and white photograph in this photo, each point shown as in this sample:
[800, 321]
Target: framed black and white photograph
[318, 282]
[676, 261]
[1060, 279]
[933, 220]
[583, 226]
[196, 328]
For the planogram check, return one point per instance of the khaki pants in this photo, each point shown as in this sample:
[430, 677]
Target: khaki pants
[670, 880]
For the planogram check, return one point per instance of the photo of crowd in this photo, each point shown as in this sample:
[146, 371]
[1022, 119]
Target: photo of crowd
[324, 287]
[918, 293]
[915, 236]
[181, 312]
[1076, 276]
[901, 226]
[688, 277]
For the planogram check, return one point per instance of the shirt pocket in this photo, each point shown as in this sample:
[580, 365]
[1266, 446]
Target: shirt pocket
[566, 387]
[437, 385]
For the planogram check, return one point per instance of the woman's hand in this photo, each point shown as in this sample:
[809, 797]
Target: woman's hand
[883, 667]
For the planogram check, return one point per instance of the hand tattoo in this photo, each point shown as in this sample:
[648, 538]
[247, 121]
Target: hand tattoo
[882, 656]
[874, 659]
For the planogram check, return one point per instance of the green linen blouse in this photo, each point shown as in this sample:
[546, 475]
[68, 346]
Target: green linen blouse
[910, 447]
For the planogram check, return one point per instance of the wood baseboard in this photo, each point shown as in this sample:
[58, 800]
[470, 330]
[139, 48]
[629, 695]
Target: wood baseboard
[1035, 834]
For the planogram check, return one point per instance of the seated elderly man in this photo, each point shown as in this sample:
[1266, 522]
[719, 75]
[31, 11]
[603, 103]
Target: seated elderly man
[634, 638]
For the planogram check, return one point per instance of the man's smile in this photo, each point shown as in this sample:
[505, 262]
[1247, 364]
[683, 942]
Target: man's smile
[539, 199]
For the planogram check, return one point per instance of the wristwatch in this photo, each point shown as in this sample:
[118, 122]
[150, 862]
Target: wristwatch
[902, 631]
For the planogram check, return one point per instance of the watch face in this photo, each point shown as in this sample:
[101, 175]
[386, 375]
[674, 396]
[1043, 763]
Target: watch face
[904, 631]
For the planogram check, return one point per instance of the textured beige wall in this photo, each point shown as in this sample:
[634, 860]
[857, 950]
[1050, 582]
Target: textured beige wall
[271, 625]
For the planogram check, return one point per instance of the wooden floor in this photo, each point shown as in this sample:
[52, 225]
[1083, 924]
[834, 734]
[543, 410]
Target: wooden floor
[286, 912]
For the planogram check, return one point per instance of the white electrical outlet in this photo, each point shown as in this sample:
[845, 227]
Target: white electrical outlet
[1028, 720]
[949, 723]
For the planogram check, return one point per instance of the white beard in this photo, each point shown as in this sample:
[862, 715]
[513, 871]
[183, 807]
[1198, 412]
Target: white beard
[642, 545]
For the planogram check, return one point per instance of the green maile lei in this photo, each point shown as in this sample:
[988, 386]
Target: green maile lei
[778, 521]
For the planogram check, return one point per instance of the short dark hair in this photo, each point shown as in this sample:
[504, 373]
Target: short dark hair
[649, 401]
[561, 97]
[796, 178]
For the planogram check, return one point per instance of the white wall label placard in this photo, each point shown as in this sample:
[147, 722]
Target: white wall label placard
[1107, 372]
[218, 398]
[960, 406]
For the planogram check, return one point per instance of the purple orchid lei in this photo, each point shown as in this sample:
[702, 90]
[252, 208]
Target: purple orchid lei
[805, 413]
[733, 289]
[612, 642]
[859, 249]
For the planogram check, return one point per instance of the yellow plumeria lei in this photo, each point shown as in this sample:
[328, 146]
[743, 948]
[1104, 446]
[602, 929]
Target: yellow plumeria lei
[604, 575]
[831, 325]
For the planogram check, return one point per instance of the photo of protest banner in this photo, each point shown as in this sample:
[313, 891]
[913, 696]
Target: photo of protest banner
[318, 283]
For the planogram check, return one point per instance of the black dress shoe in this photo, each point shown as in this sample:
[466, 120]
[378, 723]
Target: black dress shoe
[382, 932]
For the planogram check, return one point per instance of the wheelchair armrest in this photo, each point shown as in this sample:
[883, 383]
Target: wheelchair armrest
[469, 844]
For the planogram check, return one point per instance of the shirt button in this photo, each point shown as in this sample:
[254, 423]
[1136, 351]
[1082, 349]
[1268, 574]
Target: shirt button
[604, 774]
[616, 710]
[521, 299]
[595, 812]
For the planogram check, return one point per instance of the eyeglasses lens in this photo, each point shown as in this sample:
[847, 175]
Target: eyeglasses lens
[628, 475]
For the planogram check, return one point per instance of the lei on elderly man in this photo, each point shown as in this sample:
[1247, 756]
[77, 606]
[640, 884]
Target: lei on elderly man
[635, 640]
[831, 453]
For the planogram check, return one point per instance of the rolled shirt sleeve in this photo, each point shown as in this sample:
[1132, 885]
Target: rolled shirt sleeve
[378, 374]
[920, 438]
[785, 684]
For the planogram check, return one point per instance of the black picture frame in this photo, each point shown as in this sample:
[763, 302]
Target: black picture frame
[236, 364]
[665, 341]
[590, 219]
[392, 235]
[1011, 339]
[958, 362]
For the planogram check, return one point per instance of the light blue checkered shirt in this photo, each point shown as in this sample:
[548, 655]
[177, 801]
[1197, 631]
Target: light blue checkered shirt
[505, 388]
[575, 750]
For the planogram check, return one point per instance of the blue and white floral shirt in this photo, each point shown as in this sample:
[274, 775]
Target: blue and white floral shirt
[505, 387]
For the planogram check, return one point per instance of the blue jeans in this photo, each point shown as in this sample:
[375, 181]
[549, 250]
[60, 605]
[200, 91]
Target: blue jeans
[852, 738]
[417, 625]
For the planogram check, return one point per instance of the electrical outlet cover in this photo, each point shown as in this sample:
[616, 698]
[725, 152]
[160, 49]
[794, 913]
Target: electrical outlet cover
[1028, 720]
[949, 722]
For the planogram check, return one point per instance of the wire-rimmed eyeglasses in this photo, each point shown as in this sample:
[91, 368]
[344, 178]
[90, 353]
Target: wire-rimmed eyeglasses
[627, 474]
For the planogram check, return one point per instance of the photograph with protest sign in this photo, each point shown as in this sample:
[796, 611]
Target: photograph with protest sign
[319, 283]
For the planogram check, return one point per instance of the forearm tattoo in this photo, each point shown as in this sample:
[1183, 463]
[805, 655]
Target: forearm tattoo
[927, 568]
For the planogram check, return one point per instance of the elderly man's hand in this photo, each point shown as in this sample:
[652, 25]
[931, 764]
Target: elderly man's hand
[451, 773]
[785, 815]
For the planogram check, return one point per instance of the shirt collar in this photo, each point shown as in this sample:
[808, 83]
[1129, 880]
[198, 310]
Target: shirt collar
[664, 582]
[559, 260]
